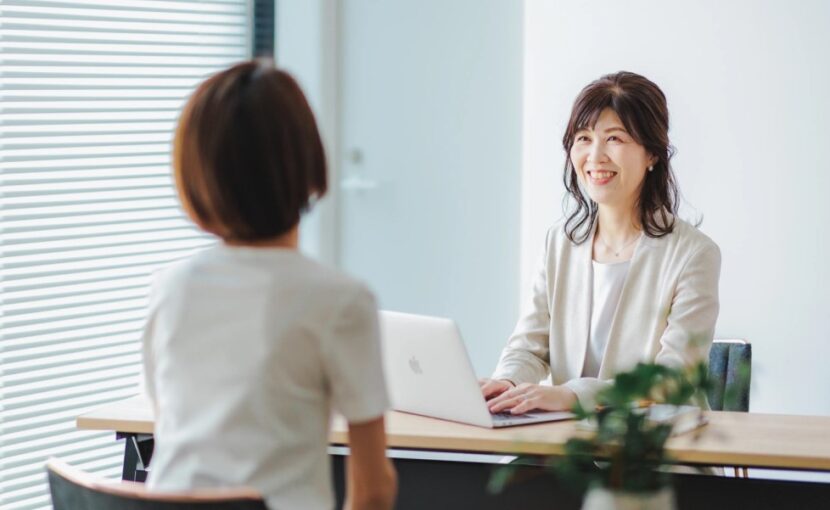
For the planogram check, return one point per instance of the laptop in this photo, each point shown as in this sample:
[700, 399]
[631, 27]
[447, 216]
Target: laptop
[428, 372]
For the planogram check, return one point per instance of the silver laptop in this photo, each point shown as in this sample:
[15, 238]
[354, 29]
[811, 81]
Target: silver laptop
[429, 373]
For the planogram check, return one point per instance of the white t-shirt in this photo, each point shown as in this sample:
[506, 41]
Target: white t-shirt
[246, 351]
[607, 287]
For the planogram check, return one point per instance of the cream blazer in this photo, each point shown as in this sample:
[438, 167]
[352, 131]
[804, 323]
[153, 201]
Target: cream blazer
[666, 313]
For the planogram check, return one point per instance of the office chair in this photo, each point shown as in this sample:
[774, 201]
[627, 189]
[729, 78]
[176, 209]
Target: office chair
[730, 369]
[74, 489]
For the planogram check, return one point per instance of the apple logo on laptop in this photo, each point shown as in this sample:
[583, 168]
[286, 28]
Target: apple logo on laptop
[415, 365]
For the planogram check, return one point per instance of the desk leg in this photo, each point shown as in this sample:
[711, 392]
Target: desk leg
[138, 450]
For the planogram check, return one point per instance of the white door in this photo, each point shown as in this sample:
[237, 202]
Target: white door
[430, 155]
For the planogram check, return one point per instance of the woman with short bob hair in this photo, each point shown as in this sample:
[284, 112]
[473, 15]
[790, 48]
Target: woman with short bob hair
[622, 278]
[249, 344]
[248, 159]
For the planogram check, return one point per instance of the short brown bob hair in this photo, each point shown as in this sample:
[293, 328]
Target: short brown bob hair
[247, 156]
[642, 108]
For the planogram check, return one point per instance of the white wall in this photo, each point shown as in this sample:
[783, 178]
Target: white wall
[747, 88]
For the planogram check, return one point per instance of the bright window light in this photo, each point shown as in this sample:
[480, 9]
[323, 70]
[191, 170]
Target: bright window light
[90, 92]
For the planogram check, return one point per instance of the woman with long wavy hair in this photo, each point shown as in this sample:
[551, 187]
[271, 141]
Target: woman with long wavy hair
[622, 278]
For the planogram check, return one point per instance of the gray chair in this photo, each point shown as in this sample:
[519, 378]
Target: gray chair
[74, 489]
[730, 366]
[730, 370]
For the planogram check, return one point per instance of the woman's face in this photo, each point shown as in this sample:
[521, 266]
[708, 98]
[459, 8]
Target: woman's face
[609, 163]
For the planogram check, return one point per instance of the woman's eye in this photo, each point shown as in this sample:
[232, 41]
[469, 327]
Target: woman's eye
[581, 138]
[614, 139]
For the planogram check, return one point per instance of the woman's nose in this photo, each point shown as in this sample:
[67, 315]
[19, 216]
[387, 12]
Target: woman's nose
[596, 152]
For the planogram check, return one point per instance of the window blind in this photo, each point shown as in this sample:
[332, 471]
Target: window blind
[89, 94]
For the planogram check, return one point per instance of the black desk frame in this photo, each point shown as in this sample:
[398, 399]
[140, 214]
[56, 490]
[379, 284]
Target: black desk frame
[440, 485]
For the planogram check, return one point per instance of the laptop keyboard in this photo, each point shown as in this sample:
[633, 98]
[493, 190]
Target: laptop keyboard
[505, 416]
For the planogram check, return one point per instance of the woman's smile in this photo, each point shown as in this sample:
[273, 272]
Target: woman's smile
[601, 177]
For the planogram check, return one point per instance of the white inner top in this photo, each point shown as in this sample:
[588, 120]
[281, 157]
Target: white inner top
[608, 283]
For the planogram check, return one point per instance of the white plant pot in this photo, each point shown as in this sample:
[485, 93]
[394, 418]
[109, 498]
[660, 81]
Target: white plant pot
[600, 498]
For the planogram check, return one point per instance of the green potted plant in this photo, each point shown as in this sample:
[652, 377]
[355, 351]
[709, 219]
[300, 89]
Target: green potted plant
[629, 435]
[619, 458]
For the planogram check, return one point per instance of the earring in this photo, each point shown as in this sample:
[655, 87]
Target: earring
[651, 168]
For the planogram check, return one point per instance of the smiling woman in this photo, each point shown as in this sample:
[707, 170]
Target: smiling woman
[624, 117]
[622, 279]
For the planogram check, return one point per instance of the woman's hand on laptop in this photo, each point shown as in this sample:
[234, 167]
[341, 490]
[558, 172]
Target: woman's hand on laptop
[533, 397]
[492, 388]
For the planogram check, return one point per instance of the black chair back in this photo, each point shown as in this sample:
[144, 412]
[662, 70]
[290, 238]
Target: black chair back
[72, 490]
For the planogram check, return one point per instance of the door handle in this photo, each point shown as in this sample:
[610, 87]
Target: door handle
[357, 183]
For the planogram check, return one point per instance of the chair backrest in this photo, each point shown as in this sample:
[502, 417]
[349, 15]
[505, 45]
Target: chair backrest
[73, 489]
[730, 366]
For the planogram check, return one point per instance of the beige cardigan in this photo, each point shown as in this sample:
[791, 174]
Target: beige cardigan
[667, 311]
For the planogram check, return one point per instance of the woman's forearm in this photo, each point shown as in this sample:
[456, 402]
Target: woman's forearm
[371, 478]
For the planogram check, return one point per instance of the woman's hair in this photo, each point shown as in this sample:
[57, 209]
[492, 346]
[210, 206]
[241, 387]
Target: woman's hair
[641, 106]
[247, 156]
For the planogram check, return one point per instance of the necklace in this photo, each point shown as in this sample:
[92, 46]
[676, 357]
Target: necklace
[626, 245]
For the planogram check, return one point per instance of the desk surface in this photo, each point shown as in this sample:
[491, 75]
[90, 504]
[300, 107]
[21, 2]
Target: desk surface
[730, 439]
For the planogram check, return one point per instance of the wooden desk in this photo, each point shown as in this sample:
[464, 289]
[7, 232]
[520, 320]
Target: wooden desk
[730, 439]
[762, 440]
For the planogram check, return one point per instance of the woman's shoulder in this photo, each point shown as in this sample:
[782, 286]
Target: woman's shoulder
[329, 279]
[327, 287]
[169, 275]
[685, 245]
[335, 300]
[286, 268]
[682, 230]
[690, 237]
[556, 237]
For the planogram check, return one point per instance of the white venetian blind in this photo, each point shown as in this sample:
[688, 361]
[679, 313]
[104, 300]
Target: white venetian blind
[89, 94]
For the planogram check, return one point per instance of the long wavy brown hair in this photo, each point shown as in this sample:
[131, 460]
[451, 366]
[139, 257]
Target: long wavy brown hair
[641, 106]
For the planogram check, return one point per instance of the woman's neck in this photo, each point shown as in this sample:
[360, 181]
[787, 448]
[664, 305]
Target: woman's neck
[289, 240]
[618, 226]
